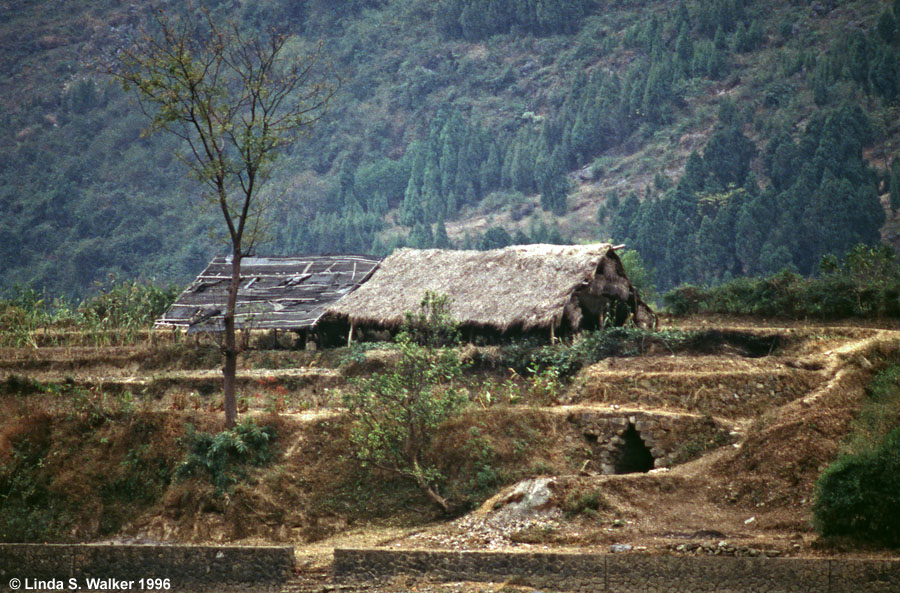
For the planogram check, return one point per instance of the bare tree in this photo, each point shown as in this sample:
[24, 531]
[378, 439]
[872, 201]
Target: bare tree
[237, 101]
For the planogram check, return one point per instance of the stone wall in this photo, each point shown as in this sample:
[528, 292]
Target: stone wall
[193, 569]
[626, 573]
[670, 438]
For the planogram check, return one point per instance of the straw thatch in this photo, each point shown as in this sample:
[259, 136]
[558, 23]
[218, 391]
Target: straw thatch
[524, 287]
[289, 293]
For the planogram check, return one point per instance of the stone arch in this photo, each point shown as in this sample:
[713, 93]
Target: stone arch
[632, 455]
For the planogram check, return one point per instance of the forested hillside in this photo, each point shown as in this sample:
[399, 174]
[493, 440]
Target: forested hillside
[717, 138]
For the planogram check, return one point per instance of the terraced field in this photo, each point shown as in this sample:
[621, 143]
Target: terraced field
[733, 432]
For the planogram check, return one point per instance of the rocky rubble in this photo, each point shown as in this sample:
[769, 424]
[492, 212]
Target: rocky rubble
[530, 505]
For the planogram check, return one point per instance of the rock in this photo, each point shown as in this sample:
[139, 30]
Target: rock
[528, 498]
[619, 548]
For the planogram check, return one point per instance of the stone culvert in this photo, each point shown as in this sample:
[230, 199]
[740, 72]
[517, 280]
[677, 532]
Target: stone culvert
[632, 441]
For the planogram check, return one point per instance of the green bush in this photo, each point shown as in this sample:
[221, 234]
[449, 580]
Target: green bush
[859, 495]
[223, 457]
[432, 325]
[865, 284]
[567, 358]
[395, 414]
[126, 305]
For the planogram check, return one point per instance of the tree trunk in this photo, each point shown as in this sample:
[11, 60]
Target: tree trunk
[419, 476]
[229, 371]
[436, 498]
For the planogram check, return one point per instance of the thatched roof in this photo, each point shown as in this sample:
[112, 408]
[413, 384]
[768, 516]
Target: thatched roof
[526, 286]
[275, 293]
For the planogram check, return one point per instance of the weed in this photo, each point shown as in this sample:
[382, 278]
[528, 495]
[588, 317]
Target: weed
[116, 314]
[584, 503]
[486, 477]
[567, 358]
[223, 457]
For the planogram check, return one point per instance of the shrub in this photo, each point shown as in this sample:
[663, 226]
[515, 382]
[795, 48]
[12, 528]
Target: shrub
[640, 275]
[223, 457]
[395, 414]
[567, 358]
[859, 495]
[865, 284]
[432, 325]
[126, 305]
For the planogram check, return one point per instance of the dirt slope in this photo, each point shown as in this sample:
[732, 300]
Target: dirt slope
[787, 406]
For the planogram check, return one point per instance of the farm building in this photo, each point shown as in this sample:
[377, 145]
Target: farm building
[276, 293]
[546, 289]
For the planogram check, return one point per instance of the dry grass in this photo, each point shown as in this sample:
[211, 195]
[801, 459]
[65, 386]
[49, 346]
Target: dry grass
[314, 494]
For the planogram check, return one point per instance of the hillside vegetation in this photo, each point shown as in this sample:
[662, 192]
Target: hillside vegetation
[719, 139]
[124, 442]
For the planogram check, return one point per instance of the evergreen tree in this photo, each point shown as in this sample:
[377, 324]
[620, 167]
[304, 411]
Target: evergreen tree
[694, 178]
[657, 91]
[727, 156]
[884, 72]
[420, 237]
[780, 161]
[622, 223]
[684, 48]
[495, 238]
[821, 83]
[887, 27]
[894, 184]
[441, 240]
[491, 169]
[553, 184]
[751, 230]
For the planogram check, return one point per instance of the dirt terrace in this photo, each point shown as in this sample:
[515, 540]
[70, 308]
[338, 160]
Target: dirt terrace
[787, 405]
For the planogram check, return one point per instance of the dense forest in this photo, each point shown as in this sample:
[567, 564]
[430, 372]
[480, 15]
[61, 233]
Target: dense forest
[717, 139]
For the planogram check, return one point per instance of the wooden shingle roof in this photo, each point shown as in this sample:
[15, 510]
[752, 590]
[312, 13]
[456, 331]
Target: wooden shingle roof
[276, 292]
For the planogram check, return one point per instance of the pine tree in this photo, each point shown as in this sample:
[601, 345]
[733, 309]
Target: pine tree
[657, 91]
[495, 238]
[694, 178]
[420, 237]
[887, 27]
[821, 83]
[554, 185]
[728, 154]
[441, 240]
[894, 184]
[684, 48]
[491, 170]
[622, 223]
[884, 73]
[432, 201]
[750, 235]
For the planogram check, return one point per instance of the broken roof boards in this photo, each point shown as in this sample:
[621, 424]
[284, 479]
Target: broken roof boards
[275, 293]
[524, 287]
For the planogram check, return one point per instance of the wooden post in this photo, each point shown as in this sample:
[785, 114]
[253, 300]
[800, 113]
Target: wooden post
[552, 334]
[350, 335]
